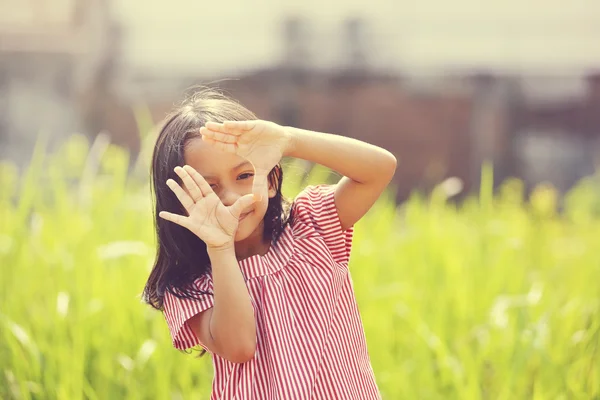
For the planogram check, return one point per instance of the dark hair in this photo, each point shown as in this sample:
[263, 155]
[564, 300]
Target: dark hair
[181, 256]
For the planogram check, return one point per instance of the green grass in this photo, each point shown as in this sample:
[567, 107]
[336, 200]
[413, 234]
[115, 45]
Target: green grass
[496, 299]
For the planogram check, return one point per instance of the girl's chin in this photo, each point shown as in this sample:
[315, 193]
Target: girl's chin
[240, 235]
[244, 231]
[248, 226]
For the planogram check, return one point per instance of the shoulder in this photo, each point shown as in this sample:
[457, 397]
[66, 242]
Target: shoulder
[315, 216]
[186, 301]
[180, 306]
[202, 284]
[317, 201]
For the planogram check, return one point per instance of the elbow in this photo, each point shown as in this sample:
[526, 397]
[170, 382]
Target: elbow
[237, 343]
[239, 349]
[242, 353]
[389, 165]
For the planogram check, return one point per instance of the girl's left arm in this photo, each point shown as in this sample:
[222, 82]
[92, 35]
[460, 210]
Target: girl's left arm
[367, 169]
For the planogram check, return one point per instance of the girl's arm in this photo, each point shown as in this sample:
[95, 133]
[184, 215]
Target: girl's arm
[367, 169]
[228, 328]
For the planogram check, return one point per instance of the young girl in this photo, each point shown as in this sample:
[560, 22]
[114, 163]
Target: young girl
[261, 284]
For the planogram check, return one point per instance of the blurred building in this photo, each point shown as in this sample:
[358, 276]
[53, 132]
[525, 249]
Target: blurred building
[51, 51]
[445, 127]
[440, 124]
[444, 86]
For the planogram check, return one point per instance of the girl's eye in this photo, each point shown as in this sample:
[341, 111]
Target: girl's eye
[213, 185]
[245, 176]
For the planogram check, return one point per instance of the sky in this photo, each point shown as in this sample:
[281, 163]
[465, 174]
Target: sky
[425, 35]
[411, 35]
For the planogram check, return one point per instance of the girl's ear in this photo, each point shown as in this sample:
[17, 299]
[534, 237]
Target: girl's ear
[272, 188]
[274, 181]
[272, 191]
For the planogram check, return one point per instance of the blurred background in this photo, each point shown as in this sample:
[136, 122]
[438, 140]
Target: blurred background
[496, 296]
[443, 85]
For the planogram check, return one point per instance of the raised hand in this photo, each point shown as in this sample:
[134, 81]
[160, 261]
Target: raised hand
[263, 143]
[208, 218]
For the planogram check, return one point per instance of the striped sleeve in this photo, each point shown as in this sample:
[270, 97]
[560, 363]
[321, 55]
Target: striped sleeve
[314, 209]
[178, 311]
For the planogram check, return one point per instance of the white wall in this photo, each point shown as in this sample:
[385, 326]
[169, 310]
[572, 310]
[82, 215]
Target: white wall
[419, 35]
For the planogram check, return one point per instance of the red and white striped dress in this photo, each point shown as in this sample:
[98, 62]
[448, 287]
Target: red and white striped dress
[310, 338]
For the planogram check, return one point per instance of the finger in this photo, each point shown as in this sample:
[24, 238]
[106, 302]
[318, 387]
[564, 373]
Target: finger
[189, 183]
[241, 204]
[199, 179]
[217, 127]
[218, 136]
[226, 147]
[213, 126]
[239, 125]
[260, 184]
[175, 218]
[183, 197]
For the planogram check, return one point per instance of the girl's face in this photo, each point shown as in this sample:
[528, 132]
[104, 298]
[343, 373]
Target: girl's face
[231, 177]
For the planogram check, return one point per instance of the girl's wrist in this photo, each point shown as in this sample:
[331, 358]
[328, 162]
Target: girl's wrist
[290, 140]
[217, 251]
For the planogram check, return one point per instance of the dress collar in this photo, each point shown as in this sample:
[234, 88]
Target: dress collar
[274, 260]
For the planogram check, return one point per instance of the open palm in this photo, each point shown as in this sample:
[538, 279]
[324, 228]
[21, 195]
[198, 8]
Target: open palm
[208, 218]
[263, 143]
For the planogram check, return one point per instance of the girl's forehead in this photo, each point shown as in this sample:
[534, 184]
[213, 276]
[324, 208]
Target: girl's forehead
[209, 161]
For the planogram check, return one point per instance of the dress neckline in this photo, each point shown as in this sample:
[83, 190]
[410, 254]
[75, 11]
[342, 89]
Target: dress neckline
[273, 260]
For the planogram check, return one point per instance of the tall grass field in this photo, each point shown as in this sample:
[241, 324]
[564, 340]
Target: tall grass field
[495, 298]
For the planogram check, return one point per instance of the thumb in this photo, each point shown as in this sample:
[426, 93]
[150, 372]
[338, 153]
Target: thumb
[260, 185]
[241, 204]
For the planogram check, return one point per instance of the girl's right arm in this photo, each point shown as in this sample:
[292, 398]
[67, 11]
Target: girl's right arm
[228, 328]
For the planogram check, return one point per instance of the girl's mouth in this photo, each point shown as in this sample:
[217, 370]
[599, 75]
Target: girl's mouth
[245, 215]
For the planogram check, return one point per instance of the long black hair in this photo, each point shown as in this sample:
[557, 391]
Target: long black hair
[181, 256]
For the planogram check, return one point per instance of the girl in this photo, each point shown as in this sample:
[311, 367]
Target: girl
[260, 283]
